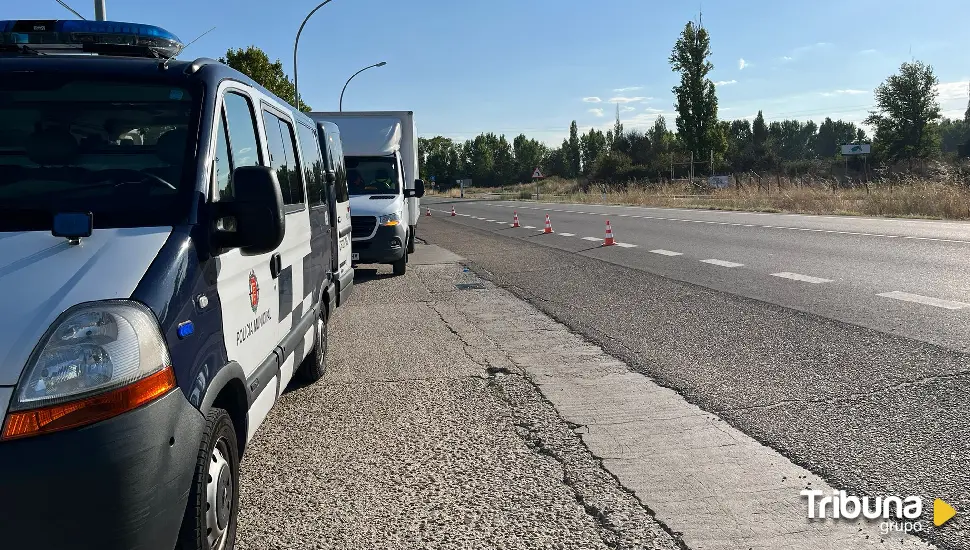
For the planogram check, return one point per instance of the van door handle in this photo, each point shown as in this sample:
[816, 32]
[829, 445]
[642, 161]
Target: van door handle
[275, 265]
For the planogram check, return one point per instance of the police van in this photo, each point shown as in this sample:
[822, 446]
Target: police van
[167, 267]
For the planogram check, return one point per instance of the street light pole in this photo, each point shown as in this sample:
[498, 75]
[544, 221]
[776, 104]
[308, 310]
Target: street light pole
[296, 43]
[381, 64]
[99, 12]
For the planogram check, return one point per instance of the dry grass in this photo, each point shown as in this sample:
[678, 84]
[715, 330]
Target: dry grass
[914, 198]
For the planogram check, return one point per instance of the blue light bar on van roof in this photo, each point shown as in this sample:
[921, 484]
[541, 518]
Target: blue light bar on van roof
[88, 36]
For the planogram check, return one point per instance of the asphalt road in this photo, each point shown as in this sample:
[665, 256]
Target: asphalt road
[906, 277]
[866, 391]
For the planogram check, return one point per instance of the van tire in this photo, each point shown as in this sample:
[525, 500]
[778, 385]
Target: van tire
[401, 266]
[217, 463]
[414, 230]
[314, 365]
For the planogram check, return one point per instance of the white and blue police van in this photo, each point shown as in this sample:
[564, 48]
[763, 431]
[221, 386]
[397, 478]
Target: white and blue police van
[167, 266]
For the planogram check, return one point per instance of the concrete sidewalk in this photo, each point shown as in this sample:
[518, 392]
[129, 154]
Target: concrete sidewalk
[425, 434]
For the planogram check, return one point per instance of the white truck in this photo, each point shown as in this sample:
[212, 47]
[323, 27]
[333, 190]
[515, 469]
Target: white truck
[381, 155]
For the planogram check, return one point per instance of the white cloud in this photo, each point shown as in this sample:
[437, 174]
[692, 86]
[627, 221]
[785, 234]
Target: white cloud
[621, 99]
[593, 99]
[787, 58]
[844, 92]
[597, 112]
[628, 109]
[627, 89]
[950, 91]
[742, 64]
[653, 110]
[725, 82]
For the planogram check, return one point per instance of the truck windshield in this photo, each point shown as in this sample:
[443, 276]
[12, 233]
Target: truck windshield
[372, 176]
[113, 148]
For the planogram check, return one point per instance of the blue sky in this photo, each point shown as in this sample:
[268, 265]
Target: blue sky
[532, 66]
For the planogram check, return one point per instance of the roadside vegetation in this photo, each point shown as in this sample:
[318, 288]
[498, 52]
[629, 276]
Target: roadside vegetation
[918, 164]
[905, 197]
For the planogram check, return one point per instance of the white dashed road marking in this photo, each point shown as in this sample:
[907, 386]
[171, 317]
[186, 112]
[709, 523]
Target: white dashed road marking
[663, 252]
[528, 227]
[935, 302]
[626, 245]
[492, 221]
[722, 263]
[591, 239]
[800, 277]
[568, 234]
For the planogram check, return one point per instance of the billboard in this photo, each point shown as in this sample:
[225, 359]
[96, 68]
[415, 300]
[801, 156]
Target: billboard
[856, 149]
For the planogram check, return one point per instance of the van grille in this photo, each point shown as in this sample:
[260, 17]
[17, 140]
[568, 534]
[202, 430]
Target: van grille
[362, 226]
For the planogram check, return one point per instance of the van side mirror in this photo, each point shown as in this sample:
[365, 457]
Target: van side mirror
[418, 190]
[253, 219]
[331, 177]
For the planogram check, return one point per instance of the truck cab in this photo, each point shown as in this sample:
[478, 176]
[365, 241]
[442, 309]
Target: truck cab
[380, 153]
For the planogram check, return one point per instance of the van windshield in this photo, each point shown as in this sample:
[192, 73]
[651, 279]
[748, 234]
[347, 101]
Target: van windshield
[113, 148]
[372, 176]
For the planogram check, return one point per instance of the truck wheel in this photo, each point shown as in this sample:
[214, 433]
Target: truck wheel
[414, 230]
[314, 366]
[213, 507]
[401, 266]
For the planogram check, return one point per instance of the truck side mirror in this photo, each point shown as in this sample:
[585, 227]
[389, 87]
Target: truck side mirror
[331, 177]
[419, 188]
[253, 219]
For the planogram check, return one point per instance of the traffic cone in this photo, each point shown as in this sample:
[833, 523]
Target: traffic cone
[453, 213]
[428, 215]
[515, 219]
[548, 228]
[609, 235]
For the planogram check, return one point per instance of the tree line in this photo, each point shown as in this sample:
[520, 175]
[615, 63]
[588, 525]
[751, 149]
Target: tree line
[907, 125]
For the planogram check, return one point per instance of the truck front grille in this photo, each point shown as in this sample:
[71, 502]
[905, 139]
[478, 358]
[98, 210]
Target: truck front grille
[362, 226]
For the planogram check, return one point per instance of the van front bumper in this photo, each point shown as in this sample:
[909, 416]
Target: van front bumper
[386, 246]
[122, 483]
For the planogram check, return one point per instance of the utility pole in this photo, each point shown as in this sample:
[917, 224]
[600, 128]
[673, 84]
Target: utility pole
[99, 13]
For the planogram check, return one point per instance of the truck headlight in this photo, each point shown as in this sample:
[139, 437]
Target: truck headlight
[389, 220]
[97, 360]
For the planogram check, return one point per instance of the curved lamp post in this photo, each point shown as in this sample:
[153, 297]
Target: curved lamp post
[381, 64]
[296, 85]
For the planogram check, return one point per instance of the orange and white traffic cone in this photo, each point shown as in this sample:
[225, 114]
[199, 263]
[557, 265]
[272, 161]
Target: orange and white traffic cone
[609, 235]
[453, 213]
[515, 219]
[428, 215]
[548, 228]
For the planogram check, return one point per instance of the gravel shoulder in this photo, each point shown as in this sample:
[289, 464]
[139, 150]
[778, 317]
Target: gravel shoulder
[425, 434]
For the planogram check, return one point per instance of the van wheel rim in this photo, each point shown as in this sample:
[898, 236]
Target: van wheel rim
[219, 497]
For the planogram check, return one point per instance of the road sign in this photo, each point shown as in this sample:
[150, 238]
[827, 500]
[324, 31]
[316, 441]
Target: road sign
[856, 149]
[537, 174]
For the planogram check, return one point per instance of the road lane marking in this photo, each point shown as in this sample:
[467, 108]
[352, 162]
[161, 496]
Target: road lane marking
[722, 263]
[490, 221]
[528, 227]
[568, 234]
[788, 228]
[663, 252]
[926, 300]
[800, 277]
[626, 245]
[591, 239]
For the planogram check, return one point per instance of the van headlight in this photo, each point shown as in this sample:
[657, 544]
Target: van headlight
[97, 361]
[389, 220]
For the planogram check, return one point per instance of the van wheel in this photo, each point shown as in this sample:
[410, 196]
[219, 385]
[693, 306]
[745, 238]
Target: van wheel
[213, 507]
[314, 365]
[414, 230]
[401, 266]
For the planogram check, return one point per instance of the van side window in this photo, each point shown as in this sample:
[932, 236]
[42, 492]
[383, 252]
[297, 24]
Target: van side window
[222, 168]
[241, 147]
[282, 155]
[336, 154]
[313, 168]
